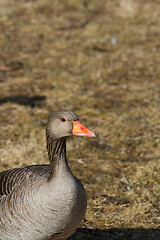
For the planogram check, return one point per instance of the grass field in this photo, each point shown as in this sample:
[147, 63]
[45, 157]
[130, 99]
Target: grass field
[100, 59]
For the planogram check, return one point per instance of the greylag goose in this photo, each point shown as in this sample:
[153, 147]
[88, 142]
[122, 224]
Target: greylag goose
[44, 202]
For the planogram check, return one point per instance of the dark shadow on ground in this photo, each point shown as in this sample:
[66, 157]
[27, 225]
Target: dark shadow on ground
[116, 234]
[24, 100]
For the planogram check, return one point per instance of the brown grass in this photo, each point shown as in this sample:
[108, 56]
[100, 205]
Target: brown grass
[101, 60]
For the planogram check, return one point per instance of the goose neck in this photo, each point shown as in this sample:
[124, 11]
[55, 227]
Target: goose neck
[56, 153]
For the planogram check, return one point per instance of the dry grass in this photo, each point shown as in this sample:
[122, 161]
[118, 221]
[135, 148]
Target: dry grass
[101, 60]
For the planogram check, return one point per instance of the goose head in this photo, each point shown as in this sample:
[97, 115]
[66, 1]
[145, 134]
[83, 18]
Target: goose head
[64, 123]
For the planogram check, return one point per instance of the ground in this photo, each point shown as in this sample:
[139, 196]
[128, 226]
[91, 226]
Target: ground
[100, 59]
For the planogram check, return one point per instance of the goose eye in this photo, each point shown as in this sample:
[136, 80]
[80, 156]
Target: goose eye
[63, 119]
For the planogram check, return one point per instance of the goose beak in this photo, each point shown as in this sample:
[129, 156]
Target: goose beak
[80, 130]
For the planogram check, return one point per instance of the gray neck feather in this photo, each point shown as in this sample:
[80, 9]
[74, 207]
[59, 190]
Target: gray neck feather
[56, 153]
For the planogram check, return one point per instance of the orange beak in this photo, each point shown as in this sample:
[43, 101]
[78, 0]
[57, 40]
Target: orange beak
[80, 130]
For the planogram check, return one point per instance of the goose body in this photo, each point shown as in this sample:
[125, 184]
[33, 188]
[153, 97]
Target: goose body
[44, 202]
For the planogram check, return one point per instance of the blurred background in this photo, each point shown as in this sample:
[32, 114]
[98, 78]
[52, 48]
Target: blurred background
[100, 59]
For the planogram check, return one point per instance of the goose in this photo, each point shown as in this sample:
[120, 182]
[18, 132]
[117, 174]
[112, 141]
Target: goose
[45, 202]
